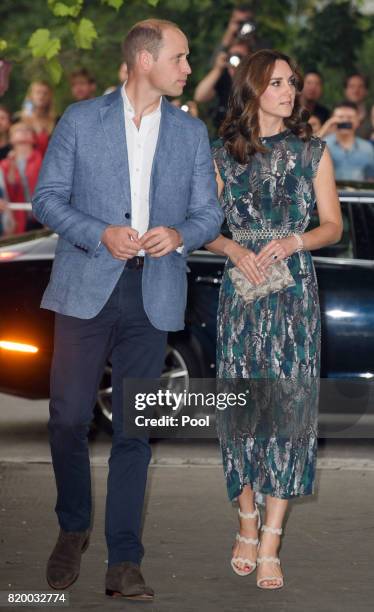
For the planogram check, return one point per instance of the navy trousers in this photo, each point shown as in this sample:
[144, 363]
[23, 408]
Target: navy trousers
[123, 332]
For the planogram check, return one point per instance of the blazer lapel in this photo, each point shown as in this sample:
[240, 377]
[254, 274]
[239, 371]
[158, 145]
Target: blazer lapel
[113, 122]
[164, 147]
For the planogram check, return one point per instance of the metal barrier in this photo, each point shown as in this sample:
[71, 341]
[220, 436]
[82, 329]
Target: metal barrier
[19, 206]
[365, 197]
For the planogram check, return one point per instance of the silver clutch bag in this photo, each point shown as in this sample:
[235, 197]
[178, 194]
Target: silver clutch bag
[279, 277]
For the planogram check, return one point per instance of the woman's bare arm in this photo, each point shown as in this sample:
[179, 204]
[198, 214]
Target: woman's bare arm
[241, 257]
[330, 228]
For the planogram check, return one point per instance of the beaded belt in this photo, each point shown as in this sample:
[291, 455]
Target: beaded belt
[259, 234]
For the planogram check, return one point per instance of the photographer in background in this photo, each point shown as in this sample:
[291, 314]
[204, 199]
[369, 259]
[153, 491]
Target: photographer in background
[217, 83]
[239, 39]
[242, 23]
[353, 156]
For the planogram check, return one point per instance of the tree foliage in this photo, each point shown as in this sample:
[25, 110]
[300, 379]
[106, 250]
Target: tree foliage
[332, 41]
[332, 37]
[50, 38]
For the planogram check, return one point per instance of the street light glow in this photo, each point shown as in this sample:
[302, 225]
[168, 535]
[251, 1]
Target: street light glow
[8, 345]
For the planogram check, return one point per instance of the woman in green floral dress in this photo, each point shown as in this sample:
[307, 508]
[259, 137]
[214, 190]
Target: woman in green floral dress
[270, 173]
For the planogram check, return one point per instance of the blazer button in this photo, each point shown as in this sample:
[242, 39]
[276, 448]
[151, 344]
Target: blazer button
[127, 215]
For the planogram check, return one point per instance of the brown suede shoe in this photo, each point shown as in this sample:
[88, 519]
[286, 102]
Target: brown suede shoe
[64, 563]
[125, 580]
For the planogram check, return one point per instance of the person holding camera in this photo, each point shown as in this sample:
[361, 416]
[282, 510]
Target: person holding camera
[353, 157]
[239, 39]
[241, 23]
[217, 83]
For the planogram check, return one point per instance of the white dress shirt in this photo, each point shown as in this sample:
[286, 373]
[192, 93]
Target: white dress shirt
[141, 146]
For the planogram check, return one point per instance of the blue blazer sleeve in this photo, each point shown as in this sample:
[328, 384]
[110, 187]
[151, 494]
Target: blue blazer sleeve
[52, 199]
[204, 215]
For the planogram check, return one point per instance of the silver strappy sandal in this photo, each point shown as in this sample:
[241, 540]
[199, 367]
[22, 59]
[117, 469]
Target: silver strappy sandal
[254, 541]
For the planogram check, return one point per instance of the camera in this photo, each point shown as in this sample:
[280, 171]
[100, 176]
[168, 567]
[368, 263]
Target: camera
[245, 28]
[344, 125]
[234, 60]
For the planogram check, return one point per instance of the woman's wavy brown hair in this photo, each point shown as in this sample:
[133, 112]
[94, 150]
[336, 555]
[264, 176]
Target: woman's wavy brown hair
[240, 130]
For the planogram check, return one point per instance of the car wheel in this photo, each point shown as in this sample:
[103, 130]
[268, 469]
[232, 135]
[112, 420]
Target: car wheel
[181, 364]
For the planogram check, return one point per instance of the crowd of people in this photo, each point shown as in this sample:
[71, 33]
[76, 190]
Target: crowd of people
[348, 128]
[24, 138]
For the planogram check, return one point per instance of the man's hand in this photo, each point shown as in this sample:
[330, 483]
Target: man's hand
[220, 62]
[328, 127]
[160, 241]
[122, 242]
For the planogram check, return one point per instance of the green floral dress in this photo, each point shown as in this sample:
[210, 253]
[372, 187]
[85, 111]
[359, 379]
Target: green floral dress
[273, 344]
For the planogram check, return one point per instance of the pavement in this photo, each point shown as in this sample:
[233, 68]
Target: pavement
[189, 528]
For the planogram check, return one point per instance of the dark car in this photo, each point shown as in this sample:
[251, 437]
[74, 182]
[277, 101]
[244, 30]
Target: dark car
[345, 274]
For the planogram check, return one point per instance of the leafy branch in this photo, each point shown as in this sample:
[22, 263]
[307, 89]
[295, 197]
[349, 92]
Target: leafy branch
[46, 44]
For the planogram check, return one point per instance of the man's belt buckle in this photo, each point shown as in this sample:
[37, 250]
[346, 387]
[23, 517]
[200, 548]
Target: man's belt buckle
[135, 263]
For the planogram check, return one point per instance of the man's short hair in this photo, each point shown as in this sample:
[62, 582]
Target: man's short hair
[363, 77]
[82, 73]
[347, 104]
[145, 35]
[312, 71]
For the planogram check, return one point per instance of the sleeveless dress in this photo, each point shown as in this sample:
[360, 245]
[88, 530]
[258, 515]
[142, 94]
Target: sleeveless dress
[271, 345]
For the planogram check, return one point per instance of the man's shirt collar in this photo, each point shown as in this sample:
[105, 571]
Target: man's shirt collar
[129, 108]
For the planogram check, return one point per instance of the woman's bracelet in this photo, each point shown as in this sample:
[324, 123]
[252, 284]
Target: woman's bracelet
[300, 243]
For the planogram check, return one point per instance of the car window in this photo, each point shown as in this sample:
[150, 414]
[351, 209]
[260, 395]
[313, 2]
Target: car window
[363, 217]
[345, 247]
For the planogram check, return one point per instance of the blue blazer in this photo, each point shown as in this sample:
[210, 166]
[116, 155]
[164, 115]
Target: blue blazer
[84, 186]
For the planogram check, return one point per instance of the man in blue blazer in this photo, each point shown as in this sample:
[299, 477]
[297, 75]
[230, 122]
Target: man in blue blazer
[128, 183]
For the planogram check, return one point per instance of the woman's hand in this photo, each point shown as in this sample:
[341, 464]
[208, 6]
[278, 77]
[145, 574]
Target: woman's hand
[276, 250]
[245, 260]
